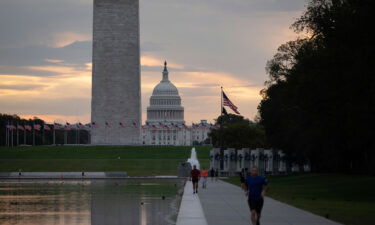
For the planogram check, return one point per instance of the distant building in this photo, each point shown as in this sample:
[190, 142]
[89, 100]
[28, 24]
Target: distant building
[165, 124]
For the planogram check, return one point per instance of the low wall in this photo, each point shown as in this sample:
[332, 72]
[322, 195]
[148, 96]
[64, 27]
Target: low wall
[70, 175]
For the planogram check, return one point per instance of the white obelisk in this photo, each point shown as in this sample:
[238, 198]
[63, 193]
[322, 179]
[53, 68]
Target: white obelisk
[116, 91]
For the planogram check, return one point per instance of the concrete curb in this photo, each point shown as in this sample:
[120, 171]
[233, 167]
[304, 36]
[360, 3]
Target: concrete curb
[191, 211]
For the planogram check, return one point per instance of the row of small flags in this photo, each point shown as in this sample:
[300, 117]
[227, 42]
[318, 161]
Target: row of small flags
[69, 126]
[57, 126]
[179, 126]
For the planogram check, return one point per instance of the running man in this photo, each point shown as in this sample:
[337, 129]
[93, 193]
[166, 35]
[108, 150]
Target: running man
[194, 177]
[204, 174]
[256, 190]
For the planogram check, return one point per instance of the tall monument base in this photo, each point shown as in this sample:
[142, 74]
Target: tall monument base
[116, 91]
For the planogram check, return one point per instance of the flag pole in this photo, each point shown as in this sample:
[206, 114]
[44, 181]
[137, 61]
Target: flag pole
[65, 133]
[221, 101]
[79, 131]
[24, 134]
[43, 134]
[12, 135]
[6, 134]
[221, 131]
[18, 140]
[54, 133]
[33, 133]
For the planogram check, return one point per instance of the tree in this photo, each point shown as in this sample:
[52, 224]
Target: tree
[237, 132]
[320, 97]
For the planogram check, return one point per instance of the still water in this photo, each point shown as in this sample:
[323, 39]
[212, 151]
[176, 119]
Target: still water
[101, 202]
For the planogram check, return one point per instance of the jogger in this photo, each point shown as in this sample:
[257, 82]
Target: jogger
[194, 177]
[256, 189]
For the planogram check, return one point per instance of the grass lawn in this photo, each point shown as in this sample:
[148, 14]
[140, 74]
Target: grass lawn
[343, 198]
[136, 160]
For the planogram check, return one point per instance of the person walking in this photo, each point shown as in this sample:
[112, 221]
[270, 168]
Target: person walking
[216, 174]
[194, 177]
[257, 187]
[243, 175]
[204, 174]
[212, 174]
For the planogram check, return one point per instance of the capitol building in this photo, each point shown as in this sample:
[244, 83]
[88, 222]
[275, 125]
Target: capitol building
[165, 124]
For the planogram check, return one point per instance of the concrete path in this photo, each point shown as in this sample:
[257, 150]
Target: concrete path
[224, 204]
[191, 212]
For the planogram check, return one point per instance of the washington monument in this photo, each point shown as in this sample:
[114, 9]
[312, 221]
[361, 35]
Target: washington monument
[116, 92]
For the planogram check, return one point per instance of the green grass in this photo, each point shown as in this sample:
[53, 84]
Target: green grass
[136, 160]
[343, 198]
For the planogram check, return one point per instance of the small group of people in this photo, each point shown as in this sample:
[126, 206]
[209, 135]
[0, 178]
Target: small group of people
[196, 175]
[254, 186]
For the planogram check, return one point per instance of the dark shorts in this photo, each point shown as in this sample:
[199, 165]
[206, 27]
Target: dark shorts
[256, 204]
[194, 181]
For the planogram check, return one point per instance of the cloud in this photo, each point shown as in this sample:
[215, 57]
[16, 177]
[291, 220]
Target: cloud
[19, 87]
[46, 48]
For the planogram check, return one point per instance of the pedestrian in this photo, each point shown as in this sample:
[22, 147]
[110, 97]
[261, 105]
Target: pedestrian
[257, 187]
[216, 174]
[204, 174]
[243, 179]
[212, 174]
[194, 177]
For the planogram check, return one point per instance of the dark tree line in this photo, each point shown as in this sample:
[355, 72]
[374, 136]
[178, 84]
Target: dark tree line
[319, 103]
[42, 137]
[237, 132]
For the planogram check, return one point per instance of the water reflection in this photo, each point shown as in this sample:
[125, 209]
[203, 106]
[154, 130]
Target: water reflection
[89, 202]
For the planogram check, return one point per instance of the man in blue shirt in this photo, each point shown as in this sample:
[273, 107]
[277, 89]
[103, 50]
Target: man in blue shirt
[256, 190]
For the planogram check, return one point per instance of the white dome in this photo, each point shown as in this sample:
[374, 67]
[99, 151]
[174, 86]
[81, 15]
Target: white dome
[165, 88]
[165, 102]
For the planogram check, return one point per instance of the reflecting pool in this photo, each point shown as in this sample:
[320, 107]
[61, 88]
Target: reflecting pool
[102, 202]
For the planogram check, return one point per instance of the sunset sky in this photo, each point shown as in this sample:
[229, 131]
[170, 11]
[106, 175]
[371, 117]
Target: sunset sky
[45, 53]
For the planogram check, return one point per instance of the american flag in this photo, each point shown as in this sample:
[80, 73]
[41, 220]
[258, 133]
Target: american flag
[121, 125]
[81, 126]
[46, 127]
[37, 127]
[28, 127]
[229, 103]
[68, 126]
[20, 127]
[57, 126]
[94, 125]
[11, 127]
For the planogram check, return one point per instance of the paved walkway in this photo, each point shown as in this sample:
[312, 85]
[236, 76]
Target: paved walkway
[191, 212]
[224, 204]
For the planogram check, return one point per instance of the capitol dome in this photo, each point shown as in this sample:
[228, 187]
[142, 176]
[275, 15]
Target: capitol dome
[165, 103]
[165, 88]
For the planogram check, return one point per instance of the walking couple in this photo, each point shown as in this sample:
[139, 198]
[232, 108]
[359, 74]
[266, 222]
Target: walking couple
[255, 188]
[195, 176]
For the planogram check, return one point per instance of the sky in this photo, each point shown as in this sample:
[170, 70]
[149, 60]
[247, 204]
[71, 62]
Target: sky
[45, 53]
